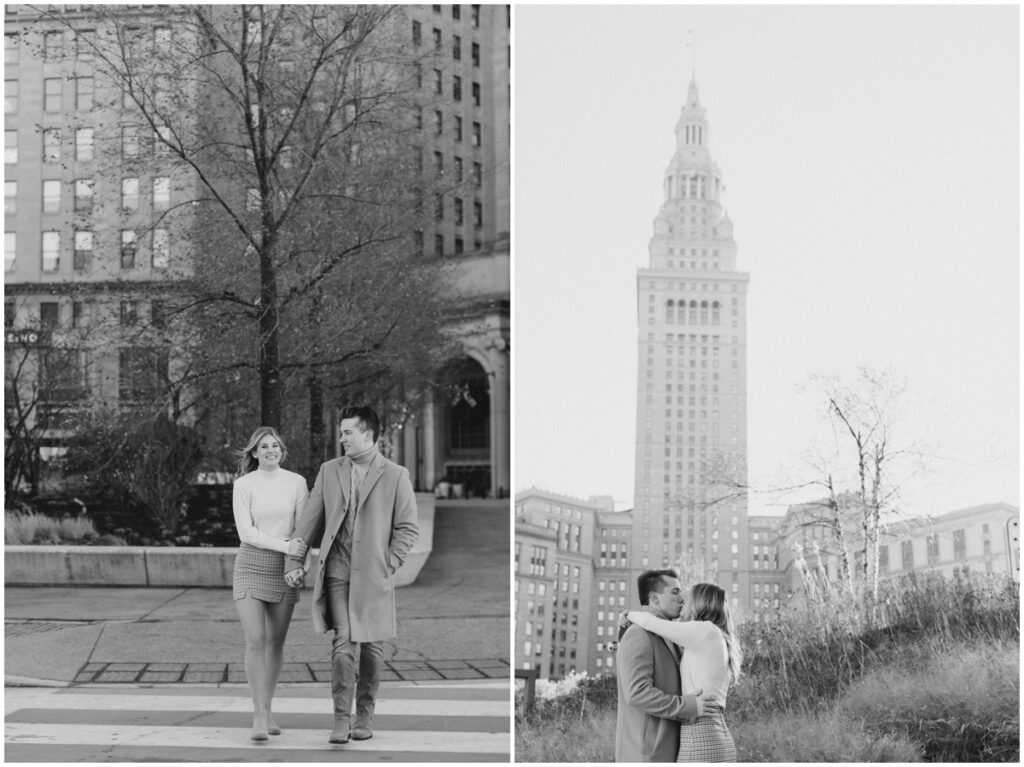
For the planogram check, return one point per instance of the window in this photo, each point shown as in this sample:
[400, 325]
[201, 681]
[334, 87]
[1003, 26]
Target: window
[458, 169]
[51, 196]
[437, 81]
[458, 211]
[438, 122]
[10, 49]
[129, 313]
[83, 94]
[161, 193]
[475, 11]
[53, 42]
[84, 41]
[10, 251]
[456, 47]
[476, 134]
[49, 315]
[51, 94]
[933, 549]
[478, 175]
[10, 97]
[475, 54]
[83, 194]
[476, 94]
[439, 207]
[438, 163]
[161, 249]
[84, 144]
[83, 250]
[130, 141]
[437, 38]
[478, 215]
[163, 140]
[10, 147]
[51, 251]
[458, 128]
[51, 145]
[959, 545]
[79, 314]
[438, 245]
[460, 247]
[456, 12]
[10, 198]
[129, 194]
[457, 88]
[416, 33]
[907, 554]
[128, 246]
[142, 372]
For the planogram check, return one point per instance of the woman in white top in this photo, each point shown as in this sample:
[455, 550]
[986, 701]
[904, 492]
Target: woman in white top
[711, 661]
[267, 500]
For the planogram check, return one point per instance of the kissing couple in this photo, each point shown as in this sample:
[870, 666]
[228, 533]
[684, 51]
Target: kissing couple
[673, 675]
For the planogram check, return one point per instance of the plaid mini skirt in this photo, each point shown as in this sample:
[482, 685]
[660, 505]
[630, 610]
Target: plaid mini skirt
[707, 739]
[259, 573]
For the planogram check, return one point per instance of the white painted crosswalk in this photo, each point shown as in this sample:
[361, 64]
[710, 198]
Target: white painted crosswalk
[430, 722]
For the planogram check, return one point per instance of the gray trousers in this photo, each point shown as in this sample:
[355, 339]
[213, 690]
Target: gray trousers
[350, 674]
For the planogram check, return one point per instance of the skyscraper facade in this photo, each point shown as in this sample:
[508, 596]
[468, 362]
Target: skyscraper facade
[689, 508]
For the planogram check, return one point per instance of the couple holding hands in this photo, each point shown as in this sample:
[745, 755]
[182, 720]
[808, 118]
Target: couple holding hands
[362, 515]
[673, 676]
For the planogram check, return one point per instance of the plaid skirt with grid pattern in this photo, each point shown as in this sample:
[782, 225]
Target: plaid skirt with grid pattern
[259, 573]
[707, 739]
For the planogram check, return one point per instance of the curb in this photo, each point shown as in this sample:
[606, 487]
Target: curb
[27, 681]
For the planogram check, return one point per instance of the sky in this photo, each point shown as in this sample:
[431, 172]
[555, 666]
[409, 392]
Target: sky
[870, 156]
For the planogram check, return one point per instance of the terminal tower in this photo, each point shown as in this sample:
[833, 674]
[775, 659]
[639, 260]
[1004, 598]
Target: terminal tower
[690, 509]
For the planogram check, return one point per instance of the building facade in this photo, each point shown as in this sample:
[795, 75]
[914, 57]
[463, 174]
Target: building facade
[692, 380]
[88, 265]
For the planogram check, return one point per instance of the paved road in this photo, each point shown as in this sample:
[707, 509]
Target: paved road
[415, 722]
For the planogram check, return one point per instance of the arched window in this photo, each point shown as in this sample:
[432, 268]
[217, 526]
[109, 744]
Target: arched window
[693, 312]
[716, 314]
[703, 312]
[670, 311]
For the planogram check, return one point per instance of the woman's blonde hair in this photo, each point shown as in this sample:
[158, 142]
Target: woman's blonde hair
[246, 460]
[708, 603]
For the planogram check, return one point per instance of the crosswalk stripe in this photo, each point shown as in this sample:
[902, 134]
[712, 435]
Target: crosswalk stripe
[282, 705]
[238, 738]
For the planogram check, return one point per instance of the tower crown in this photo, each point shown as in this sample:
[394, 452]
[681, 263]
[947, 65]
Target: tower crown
[692, 126]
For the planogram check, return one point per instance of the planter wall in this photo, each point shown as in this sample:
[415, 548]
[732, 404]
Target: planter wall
[165, 566]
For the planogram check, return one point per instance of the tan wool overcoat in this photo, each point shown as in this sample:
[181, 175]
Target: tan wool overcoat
[385, 530]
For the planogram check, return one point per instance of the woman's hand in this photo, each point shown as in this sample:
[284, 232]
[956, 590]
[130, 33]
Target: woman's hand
[624, 621]
[297, 547]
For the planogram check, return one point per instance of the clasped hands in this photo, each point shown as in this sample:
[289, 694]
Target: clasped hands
[296, 548]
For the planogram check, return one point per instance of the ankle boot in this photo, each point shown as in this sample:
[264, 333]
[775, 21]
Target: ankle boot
[340, 732]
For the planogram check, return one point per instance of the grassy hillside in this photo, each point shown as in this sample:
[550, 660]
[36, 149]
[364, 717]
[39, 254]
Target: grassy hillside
[933, 675]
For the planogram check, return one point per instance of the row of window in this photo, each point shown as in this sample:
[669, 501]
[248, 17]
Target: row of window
[456, 45]
[458, 166]
[83, 190]
[474, 13]
[131, 143]
[84, 246]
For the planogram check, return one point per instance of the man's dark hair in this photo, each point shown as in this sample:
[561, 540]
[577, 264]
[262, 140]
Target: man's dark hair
[652, 581]
[366, 414]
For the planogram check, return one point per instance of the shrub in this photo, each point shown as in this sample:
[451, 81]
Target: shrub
[961, 706]
[32, 528]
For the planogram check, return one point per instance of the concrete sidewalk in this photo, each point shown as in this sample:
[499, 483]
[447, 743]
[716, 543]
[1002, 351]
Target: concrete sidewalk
[453, 623]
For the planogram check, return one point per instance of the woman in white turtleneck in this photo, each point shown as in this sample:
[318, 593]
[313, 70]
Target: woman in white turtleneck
[711, 662]
[267, 500]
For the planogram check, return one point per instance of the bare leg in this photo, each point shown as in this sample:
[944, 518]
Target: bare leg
[279, 617]
[253, 615]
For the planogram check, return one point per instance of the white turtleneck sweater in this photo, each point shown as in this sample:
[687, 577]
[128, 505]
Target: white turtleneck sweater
[266, 505]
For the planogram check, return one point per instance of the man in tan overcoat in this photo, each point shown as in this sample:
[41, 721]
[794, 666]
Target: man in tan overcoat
[364, 508]
[650, 701]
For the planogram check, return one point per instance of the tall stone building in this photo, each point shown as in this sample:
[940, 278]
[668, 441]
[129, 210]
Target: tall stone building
[88, 263]
[692, 382]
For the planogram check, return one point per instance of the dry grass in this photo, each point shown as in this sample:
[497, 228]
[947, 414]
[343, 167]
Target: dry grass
[33, 528]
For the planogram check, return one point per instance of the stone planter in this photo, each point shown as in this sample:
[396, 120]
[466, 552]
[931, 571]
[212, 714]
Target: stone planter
[167, 566]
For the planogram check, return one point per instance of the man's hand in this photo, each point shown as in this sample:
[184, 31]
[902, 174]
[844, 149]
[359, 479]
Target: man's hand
[294, 577]
[703, 700]
[297, 547]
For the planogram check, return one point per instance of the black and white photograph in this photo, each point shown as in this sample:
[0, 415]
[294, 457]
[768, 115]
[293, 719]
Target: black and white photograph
[257, 316]
[766, 393]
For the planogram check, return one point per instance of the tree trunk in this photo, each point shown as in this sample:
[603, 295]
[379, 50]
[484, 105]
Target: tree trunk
[317, 431]
[271, 386]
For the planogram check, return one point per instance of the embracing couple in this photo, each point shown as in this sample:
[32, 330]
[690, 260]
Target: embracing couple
[673, 675]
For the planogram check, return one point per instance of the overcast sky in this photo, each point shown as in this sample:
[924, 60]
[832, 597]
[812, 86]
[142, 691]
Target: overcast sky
[871, 163]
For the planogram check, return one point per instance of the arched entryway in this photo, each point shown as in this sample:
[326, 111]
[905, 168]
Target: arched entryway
[466, 462]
